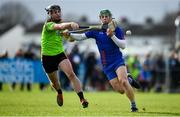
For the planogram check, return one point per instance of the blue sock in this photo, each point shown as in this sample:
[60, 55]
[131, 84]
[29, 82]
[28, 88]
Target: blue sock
[130, 80]
[133, 104]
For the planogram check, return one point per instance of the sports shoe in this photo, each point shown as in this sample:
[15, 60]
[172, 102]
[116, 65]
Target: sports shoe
[84, 103]
[134, 83]
[60, 99]
[134, 109]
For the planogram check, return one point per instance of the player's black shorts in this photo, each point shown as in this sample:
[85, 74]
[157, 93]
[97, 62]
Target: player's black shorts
[50, 63]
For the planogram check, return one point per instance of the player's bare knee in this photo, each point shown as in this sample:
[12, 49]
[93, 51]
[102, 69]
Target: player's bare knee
[71, 76]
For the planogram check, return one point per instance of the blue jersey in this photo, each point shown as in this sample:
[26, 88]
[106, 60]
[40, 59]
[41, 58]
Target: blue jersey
[111, 56]
[107, 48]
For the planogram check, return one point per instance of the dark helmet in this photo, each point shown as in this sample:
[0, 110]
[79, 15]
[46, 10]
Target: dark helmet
[52, 7]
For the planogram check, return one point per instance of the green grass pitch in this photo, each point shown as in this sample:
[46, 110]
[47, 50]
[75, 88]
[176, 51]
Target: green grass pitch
[43, 103]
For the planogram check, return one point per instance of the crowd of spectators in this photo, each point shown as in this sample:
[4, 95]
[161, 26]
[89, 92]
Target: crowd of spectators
[156, 71]
[151, 72]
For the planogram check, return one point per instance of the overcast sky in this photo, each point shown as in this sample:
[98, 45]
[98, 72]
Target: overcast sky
[134, 10]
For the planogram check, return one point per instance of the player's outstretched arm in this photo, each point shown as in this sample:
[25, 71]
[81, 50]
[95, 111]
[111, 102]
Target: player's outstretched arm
[78, 37]
[74, 36]
[66, 25]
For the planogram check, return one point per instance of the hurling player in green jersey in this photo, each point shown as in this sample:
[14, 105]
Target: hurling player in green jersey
[53, 55]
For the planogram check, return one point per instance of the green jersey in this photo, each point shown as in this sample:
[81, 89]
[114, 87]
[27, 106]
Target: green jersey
[51, 42]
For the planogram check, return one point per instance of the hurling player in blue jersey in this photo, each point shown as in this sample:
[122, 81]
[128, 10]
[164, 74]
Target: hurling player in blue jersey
[108, 43]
